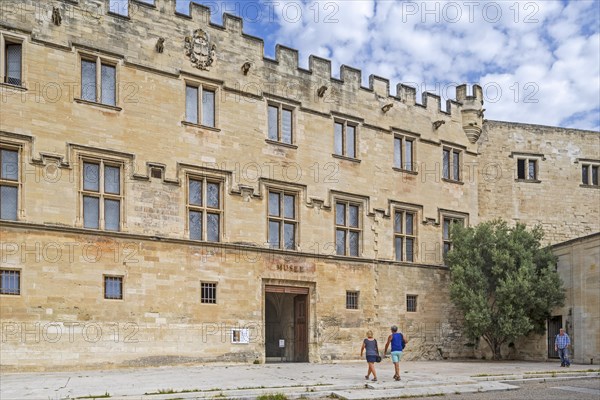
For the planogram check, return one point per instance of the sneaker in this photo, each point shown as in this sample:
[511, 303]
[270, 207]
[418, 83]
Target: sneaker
[374, 380]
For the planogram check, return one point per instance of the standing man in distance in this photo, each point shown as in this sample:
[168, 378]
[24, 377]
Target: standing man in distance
[397, 340]
[561, 344]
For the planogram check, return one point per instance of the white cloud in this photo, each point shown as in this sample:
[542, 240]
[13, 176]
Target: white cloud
[543, 55]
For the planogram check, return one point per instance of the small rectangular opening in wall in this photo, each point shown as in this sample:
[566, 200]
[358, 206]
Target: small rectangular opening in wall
[241, 336]
[156, 173]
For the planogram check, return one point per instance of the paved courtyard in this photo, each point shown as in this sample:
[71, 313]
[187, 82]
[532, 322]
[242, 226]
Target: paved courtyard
[344, 380]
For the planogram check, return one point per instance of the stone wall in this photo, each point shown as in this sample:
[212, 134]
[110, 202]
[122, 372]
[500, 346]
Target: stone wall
[557, 200]
[61, 320]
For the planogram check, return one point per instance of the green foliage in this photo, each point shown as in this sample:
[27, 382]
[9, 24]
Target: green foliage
[503, 280]
[276, 396]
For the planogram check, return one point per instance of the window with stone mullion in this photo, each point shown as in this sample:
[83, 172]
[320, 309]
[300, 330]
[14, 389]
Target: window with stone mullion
[204, 209]
[282, 221]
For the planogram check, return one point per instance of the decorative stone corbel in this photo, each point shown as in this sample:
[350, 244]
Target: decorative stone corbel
[56, 17]
[246, 67]
[387, 107]
[160, 45]
[321, 91]
[437, 124]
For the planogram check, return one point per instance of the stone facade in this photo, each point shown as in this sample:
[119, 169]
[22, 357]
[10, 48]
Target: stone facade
[61, 317]
[579, 269]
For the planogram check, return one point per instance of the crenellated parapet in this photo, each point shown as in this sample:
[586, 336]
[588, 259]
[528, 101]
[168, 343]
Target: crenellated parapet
[157, 37]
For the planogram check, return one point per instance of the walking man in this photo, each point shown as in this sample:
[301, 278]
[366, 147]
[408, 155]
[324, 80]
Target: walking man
[561, 344]
[397, 340]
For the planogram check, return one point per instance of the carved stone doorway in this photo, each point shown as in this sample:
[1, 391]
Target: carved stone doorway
[286, 324]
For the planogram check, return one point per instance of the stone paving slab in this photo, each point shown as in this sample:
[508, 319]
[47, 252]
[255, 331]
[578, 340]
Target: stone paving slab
[293, 380]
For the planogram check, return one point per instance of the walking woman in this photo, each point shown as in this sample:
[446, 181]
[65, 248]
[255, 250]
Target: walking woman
[370, 345]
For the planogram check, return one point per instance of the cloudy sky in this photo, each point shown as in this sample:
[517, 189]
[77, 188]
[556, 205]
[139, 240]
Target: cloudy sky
[538, 61]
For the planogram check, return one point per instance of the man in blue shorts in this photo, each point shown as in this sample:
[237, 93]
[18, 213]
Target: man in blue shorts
[398, 341]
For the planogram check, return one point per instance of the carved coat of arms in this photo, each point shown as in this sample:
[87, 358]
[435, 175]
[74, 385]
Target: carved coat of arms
[198, 48]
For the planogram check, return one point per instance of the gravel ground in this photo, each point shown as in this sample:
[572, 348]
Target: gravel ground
[571, 389]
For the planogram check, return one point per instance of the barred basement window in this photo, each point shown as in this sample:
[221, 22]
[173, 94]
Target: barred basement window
[404, 235]
[344, 139]
[113, 287]
[10, 282]
[347, 230]
[98, 81]
[283, 220]
[205, 209]
[411, 303]
[200, 105]
[352, 300]
[280, 123]
[101, 195]
[208, 293]
[9, 184]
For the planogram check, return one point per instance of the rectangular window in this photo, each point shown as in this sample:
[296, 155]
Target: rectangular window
[10, 282]
[102, 195]
[98, 88]
[347, 228]
[344, 139]
[527, 169]
[451, 168]
[200, 112]
[282, 220]
[447, 223]
[13, 63]
[205, 209]
[9, 184]
[351, 300]
[403, 153]
[411, 303]
[208, 293]
[280, 123]
[113, 287]
[589, 174]
[404, 235]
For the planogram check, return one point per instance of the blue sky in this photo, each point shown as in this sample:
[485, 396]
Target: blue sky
[538, 61]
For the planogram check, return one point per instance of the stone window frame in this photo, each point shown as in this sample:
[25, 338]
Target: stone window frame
[205, 178]
[201, 86]
[103, 161]
[283, 190]
[100, 60]
[527, 159]
[452, 216]
[590, 165]
[10, 39]
[106, 278]
[281, 106]
[19, 148]
[348, 201]
[17, 272]
[212, 297]
[344, 122]
[414, 236]
[412, 298]
[352, 304]
[452, 152]
[403, 137]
